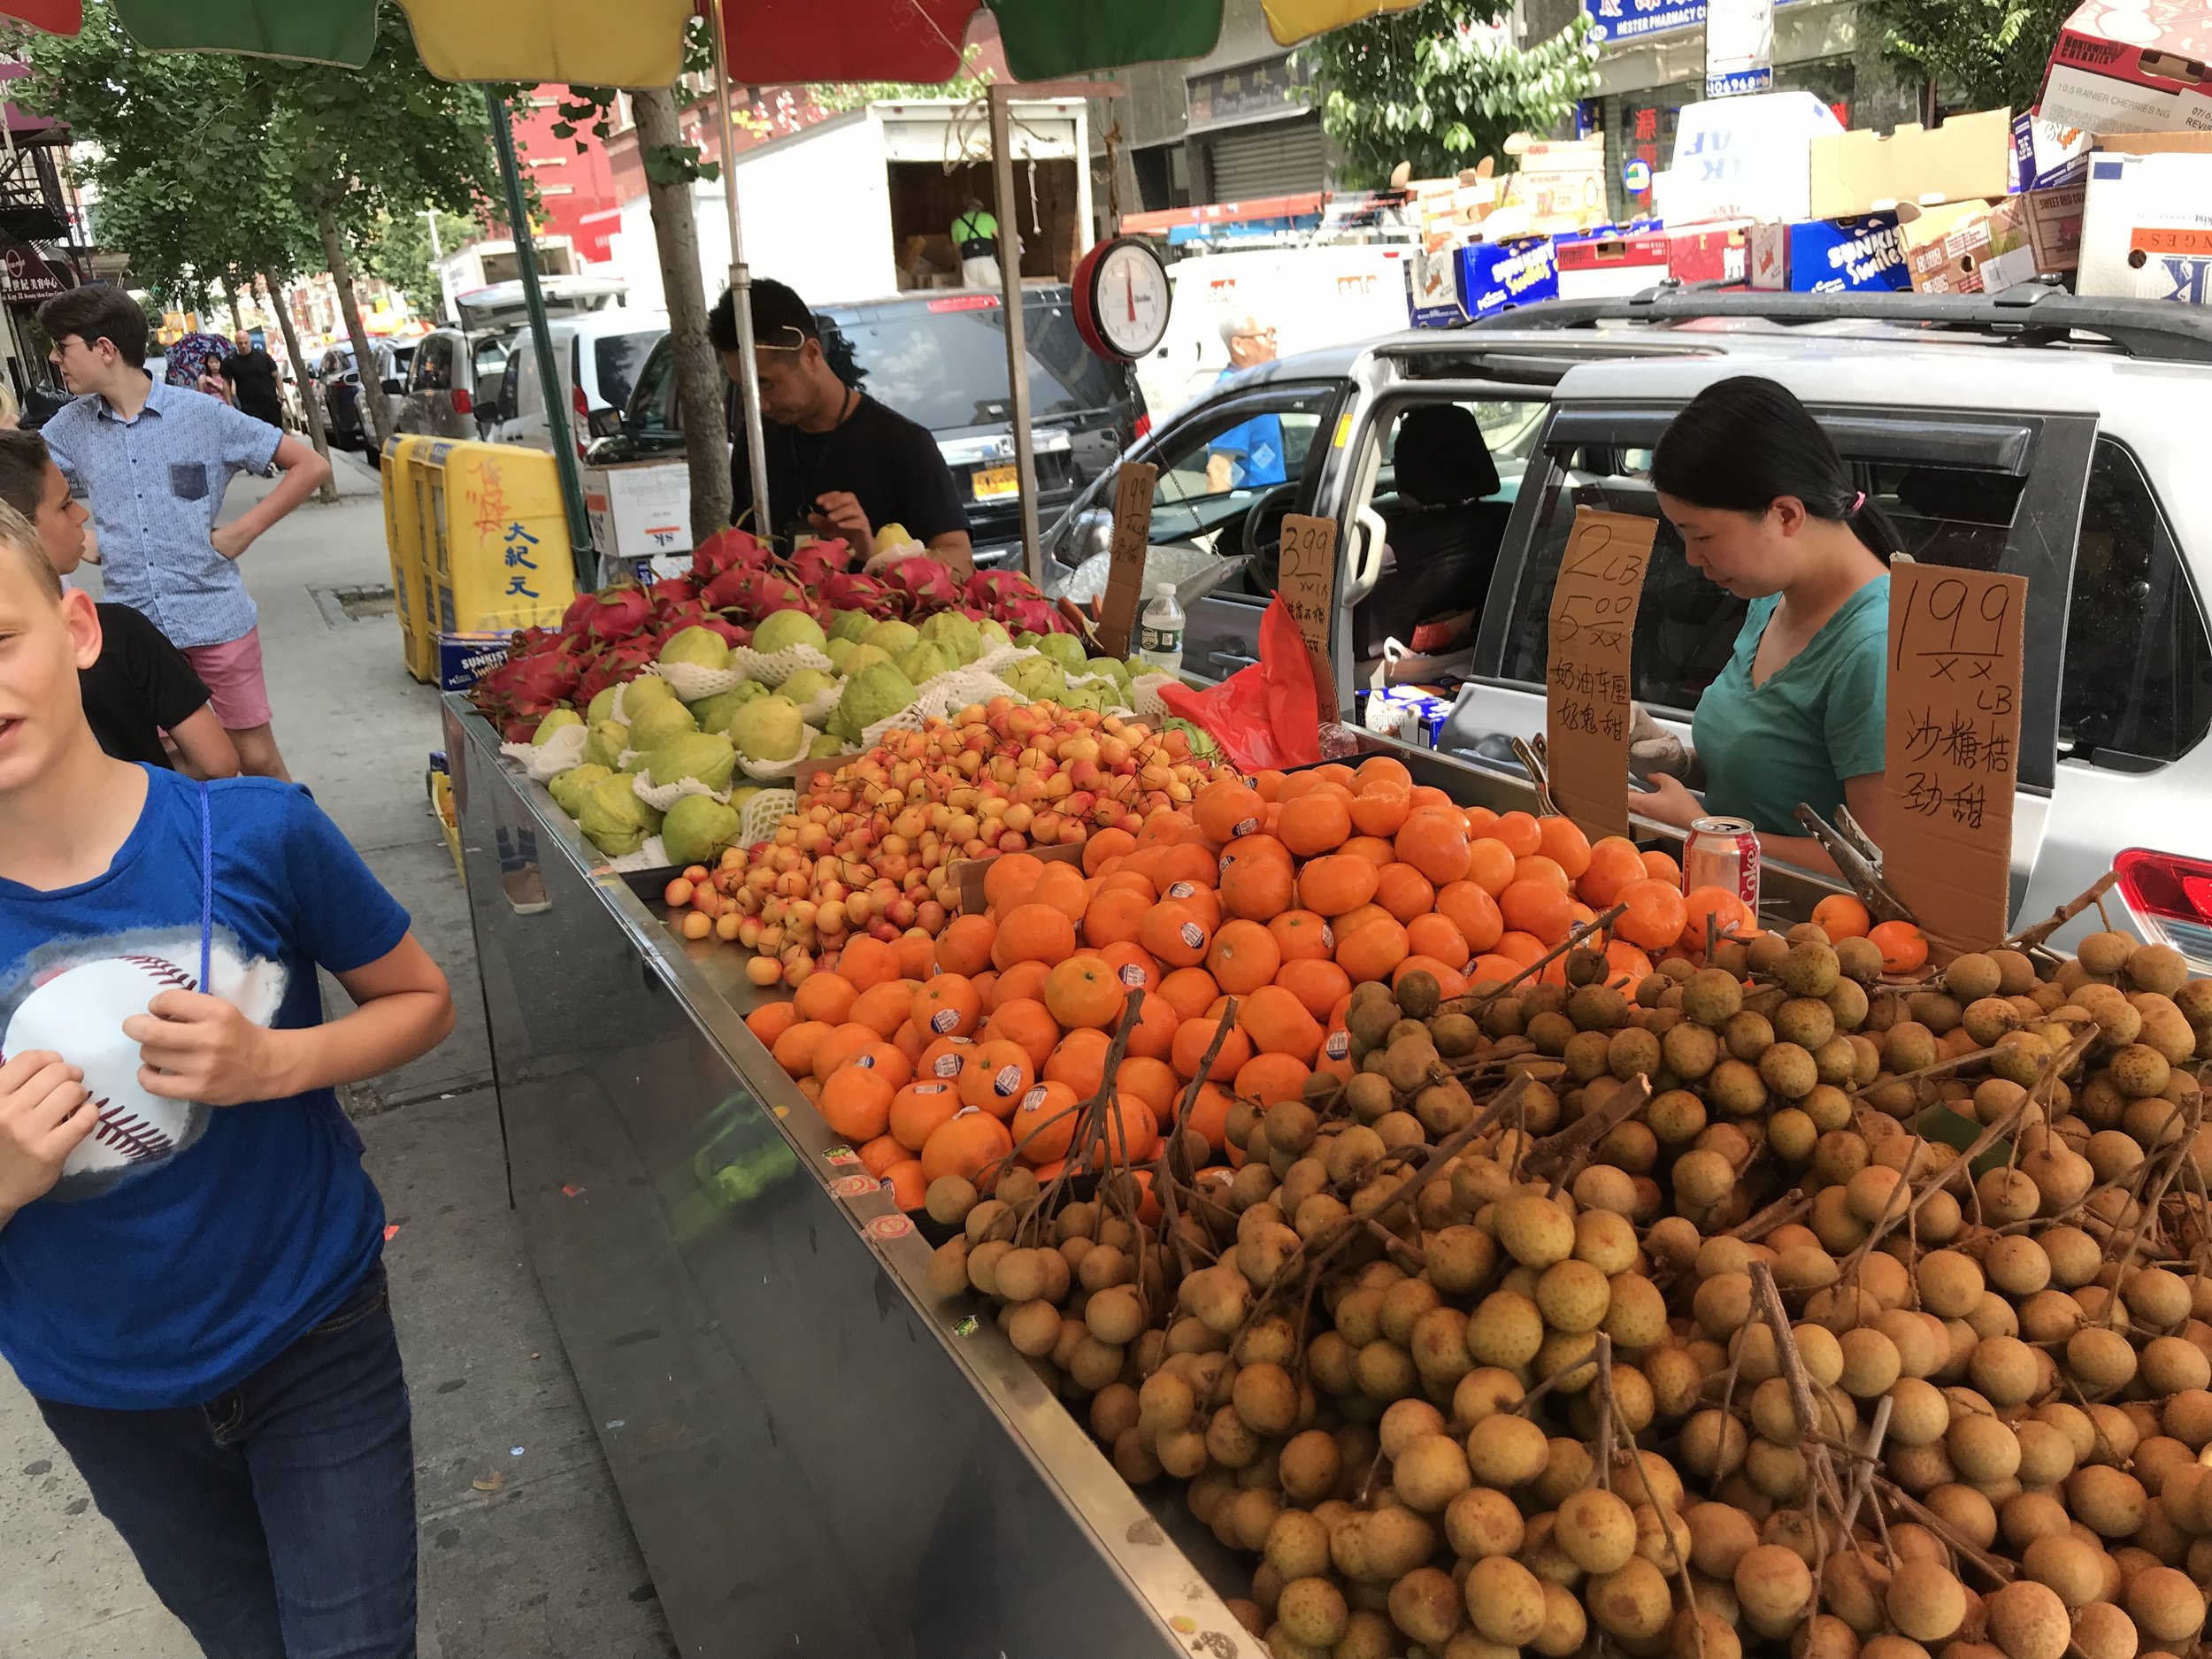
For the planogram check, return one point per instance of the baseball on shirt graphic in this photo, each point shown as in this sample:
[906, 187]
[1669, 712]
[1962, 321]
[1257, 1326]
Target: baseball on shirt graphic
[72, 999]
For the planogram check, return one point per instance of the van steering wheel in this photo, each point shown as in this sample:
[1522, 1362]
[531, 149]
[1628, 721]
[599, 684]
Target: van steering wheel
[1265, 549]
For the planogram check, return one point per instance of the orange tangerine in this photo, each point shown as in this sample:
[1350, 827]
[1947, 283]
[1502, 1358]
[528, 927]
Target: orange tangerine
[1536, 907]
[1380, 810]
[1316, 822]
[826, 996]
[1903, 947]
[1112, 917]
[1711, 908]
[1151, 1080]
[1278, 1023]
[1227, 810]
[1190, 992]
[1256, 889]
[880, 1155]
[1302, 934]
[1045, 1119]
[1539, 868]
[867, 961]
[1078, 1061]
[1449, 981]
[1060, 885]
[771, 1020]
[1473, 912]
[1104, 844]
[1614, 863]
[1562, 841]
[1336, 882]
[964, 1145]
[916, 954]
[918, 1109]
[893, 1062]
[1265, 1078]
[1319, 984]
[1034, 932]
[1209, 1112]
[1133, 965]
[1434, 840]
[794, 1050]
[1027, 1023]
[856, 1103]
[1655, 916]
[841, 1045]
[1375, 850]
[1008, 879]
[997, 1077]
[1520, 832]
[947, 1006]
[945, 1058]
[1175, 934]
[1381, 769]
[1519, 947]
[1438, 936]
[1156, 1025]
[964, 946]
[1024, 980]
[1404, 891]
[1839, 914]
[1490, 865]
[909, 1184]
[1085, 991]
[1495, 968]
[1371, 951]
[1244, 957]
[1194, 1037]
[1479, 818]
[1659, 867]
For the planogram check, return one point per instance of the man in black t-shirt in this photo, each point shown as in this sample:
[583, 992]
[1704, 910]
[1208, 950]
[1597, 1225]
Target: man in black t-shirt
[141, 687]
[252, 375]
[840, 464]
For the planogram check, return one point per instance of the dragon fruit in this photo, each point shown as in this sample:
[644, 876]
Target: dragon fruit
[928, 586]
[619, 613]
[991, 589]
[754, 594]
[674, 590]
[850, 591]
[1038, 615]
[729, 549]
[814, 565]
[624, 662]
[733, 633]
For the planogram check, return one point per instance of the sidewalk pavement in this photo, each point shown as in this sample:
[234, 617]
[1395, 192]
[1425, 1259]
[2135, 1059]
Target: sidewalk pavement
[544, 1563]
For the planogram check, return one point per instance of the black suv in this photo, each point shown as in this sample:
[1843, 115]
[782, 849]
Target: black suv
[939, 359]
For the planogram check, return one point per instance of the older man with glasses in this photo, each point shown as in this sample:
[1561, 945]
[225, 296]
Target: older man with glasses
[1250, 456]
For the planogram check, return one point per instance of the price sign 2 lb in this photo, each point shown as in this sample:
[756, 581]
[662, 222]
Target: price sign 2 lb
[1593, 609]
[1952, 747]
[1308, 590]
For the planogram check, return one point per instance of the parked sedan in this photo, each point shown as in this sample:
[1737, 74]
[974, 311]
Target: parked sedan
[338, 383]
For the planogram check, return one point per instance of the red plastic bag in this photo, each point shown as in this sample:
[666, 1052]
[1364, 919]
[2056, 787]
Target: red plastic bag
[1266, 716]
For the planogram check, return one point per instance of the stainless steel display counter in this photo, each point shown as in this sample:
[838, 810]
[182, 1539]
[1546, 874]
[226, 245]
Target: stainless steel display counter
[816, 1455]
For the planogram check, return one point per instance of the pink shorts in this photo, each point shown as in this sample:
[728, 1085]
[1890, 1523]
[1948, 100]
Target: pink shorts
[232, 672]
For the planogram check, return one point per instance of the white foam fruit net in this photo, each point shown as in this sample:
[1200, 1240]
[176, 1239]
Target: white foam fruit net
[760, 818]
[759, 768]
[1146, 696]
[661, 796]
[651, 856]
[542, 763]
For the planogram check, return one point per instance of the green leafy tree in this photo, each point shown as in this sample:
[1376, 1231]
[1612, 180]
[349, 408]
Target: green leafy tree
[1984, 54]
[397, 250]
[1439, 87]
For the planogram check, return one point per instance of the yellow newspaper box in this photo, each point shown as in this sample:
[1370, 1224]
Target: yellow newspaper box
[499, 556]
[405, 540]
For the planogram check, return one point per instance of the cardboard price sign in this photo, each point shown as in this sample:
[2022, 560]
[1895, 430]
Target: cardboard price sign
[1307, 586]
[1124, 563]
[1952, 747]
[1586, 682]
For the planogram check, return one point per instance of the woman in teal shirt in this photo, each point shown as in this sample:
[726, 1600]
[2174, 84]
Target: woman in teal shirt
[1766, 508]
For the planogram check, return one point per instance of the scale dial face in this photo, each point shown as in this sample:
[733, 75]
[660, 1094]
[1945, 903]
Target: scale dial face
[1130, 297]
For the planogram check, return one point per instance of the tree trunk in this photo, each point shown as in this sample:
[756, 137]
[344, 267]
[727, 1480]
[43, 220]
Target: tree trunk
[699, 376]
[372, 384]
[279, 302]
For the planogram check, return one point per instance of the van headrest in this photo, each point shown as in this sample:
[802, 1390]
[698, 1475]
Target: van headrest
[1441, 459]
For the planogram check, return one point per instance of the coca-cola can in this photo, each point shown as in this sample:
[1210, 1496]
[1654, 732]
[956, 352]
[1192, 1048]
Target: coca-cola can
[1723, 852]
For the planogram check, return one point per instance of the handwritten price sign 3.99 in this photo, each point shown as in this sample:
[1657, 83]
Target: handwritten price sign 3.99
[1593, 609]
[1953, 743]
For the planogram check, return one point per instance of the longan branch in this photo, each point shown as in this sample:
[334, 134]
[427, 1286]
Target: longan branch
[1470, 1003]
[2032, 938]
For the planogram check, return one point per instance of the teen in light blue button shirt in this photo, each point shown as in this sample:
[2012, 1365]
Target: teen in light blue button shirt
[154, 462]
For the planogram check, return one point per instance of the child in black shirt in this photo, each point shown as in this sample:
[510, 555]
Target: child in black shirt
[141, 686]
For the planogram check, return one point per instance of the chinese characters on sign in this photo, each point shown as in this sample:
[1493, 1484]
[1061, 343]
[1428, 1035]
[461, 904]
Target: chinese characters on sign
[1952, 742]
[520, 545]
[1309, 593]
[1586, 680]
[1124, 563]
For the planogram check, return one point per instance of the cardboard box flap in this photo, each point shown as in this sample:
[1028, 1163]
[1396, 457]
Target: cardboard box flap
[1969, 157]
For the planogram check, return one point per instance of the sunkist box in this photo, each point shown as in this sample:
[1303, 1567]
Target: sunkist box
[639, 509]
[465, 658]
[1485, 279]
[2144, 67]
[1824, 256]
[2147, 226]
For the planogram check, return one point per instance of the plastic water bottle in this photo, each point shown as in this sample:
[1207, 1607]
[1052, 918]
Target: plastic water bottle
[1160, 631]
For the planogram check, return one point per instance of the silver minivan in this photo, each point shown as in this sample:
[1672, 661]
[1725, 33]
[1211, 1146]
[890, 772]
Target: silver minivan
[598, 358]
[453, 391]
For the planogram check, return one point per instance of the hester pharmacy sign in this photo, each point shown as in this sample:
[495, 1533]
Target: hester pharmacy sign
[1632, 19]
[27, 274]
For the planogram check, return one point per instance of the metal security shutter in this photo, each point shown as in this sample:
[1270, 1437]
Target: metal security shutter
[1273, 159]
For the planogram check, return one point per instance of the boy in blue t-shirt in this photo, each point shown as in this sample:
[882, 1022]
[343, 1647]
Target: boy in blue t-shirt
[189, 1249]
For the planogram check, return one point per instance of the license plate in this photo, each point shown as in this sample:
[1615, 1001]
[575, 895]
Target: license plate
[995, 483]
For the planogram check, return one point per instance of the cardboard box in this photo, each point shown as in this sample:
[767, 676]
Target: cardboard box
[1708, 253]
[1968, 157]
[1480, 279]
[1984, 248]
[465, 658]
[2044, 153]
[1498, 276]
[639, 509]
[2146, 226]
[1607, 262]
[1560, 185]
[2139, 68]
[1822, 256]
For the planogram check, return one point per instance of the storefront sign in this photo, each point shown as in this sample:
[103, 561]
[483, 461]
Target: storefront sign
[1632, 19]
[1250, 92]
[1124, 559]
[1954, 743]
[26, 274]
[1587, 683]
[1308, 592]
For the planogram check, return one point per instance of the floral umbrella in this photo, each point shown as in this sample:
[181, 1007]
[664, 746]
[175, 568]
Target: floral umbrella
[191, 354]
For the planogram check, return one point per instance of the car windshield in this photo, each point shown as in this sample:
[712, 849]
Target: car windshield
[619, 358]
[943, 364]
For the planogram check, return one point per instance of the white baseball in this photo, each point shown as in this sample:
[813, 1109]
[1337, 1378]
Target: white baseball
[78, 1015]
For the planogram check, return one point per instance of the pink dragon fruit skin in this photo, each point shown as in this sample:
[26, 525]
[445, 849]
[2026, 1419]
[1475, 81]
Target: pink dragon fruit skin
[732, 634]
[1036, 615]
[626, 661]
[990, 589]
[850, 591]
[927, 585]
[758, 594]
[620, 613]
[729, 549]
[814, 565]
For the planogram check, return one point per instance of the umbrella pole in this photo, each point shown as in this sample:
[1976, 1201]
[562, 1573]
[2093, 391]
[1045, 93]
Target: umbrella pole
[741, 292]
[533, 299]
[1010, 261]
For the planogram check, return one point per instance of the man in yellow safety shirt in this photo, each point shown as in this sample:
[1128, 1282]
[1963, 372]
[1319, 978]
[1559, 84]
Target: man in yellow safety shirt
[975, 238]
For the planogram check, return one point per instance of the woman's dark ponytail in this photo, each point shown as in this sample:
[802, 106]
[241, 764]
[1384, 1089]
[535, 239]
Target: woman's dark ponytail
[1746, 441]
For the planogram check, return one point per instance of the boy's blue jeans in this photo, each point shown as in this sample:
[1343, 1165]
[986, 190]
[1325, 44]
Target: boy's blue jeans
[276, 1521]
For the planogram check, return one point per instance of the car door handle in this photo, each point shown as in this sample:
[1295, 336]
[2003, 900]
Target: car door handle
[1229, 662]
